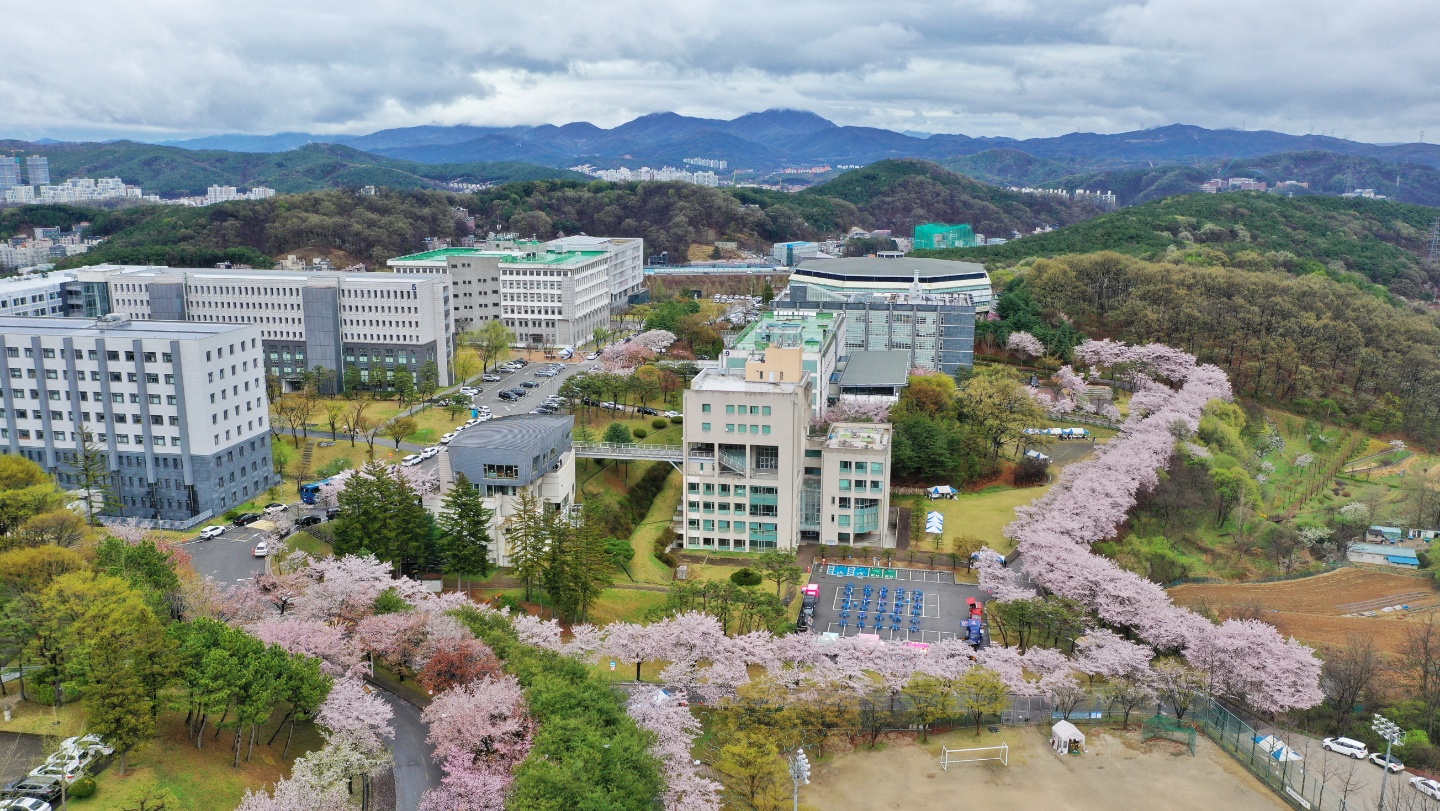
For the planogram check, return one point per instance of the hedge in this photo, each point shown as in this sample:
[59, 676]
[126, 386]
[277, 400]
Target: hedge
[588, 754]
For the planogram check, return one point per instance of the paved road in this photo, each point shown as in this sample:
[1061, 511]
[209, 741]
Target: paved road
[227, 558]
[415, 771]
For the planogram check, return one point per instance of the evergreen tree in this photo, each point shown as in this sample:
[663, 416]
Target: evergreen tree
[465, 520]
[353, 381]
[379, 513]
[526, 541]
[428, 381]
[91, 468]
[403, 381]
[588, 563]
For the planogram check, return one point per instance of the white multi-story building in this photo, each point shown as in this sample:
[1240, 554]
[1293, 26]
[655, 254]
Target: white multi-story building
[35, 294]
[756, 481]
[550, 294]
[306, 319]
[177, 410]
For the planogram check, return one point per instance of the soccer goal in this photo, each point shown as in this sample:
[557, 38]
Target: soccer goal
[975, 755]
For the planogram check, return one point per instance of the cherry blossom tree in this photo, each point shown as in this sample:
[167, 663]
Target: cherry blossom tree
[1025, 345]
[352, 709]
[675, 730]
[458, 662]
[481, 731]
[337, 652]
[395, 639]
[622, 359]
[655, 340]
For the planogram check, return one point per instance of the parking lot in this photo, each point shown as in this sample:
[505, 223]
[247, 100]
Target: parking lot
[926, 605]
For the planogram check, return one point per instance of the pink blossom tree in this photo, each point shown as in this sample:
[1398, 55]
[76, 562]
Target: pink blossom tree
[481, 731]
[675, 730]
[337, 652]
[655, 340]
[1025, 345]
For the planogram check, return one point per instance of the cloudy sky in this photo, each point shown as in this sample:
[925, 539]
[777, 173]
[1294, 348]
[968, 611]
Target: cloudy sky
[150, 69]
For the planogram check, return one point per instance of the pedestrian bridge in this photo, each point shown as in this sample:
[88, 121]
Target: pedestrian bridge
[631, 451]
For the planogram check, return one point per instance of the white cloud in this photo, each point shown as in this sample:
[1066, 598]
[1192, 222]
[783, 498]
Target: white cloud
[987, 67]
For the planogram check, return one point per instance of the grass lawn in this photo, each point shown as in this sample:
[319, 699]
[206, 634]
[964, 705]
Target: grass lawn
[309, 544]
[38, 719]
[200, 779]
[981, 515]
[624, 605]
[643, 565]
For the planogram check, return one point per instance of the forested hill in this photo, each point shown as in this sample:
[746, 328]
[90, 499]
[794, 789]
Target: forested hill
[1381, 241]
[171, 171]
[900, 194]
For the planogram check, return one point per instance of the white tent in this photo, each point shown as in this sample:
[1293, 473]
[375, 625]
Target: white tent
[935, 523]
[1065, 738]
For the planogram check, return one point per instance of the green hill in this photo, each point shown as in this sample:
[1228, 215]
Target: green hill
[171, 171]
[900, 194]
[1381, 241]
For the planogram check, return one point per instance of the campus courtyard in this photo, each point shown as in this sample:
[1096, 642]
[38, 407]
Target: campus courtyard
[1118, 773]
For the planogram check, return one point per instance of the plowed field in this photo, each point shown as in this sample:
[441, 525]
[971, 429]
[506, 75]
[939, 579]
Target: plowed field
[1311, 608]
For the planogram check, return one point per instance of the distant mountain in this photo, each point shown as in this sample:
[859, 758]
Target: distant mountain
[279, 142]
[172, 171]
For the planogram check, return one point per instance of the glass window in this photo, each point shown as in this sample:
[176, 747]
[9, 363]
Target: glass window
[764, 429]
[704, 426]
[704, 408]
[694, 487]
[729, 427]
[765, 410]
[730, 409]
[877, 468]
[844, 485]
[844, 467]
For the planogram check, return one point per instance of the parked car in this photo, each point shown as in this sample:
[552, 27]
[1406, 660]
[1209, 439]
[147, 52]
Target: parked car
[46, 789]
[430, 452]
[261, 550]
[25, 804]
[85, 743]
[672, 413]
[592, 356]
[546, 373]
[445, 439]
[212, 531]
[332, 513]
[246, 519]
[647, 411]
[411, 460]
[1346, 746]
[1388, 762]
[1426, 786]
[66, 771]
[489, 378]
[508, 395]
[530, 384]
[469, 390]
[308, 520]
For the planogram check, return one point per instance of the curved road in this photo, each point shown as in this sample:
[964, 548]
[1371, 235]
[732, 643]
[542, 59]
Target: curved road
[415, 771]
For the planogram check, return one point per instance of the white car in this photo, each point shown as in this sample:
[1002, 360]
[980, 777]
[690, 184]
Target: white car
[470, 390]
[672, 413]
[1426, 786]
[1346, 746]
[86, 743]
[412, 459]
[592, 356]
[430, 452]
[25, 804]
[67, 771]
[445, 440]
[261, 550]
[1393, 766]
[211, 532]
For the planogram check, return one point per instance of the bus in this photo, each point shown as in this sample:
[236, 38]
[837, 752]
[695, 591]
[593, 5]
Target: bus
[310, 493]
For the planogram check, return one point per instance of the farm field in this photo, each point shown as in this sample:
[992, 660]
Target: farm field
[1313, 609]
[1117, 772]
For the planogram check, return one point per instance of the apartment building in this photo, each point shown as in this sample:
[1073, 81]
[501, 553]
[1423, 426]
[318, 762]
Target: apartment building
[755, 480]
[505, 456]
[306, 319]
[178, 410]
[34, 294]
[627, 262]
[547, 295]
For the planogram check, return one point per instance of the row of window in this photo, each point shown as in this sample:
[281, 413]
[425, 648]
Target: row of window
[736, 544]
[860, 467]
[875, 485]
[738, 508]
[73, 436]
[115, 377]
[741, 428]
[87, 354]
[115, 397]
[85, 416]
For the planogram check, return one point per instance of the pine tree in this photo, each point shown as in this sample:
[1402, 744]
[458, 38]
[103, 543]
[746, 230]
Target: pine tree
[91, 468]
[588, 563]
[381, 514]
[527, 542]
[466, 522]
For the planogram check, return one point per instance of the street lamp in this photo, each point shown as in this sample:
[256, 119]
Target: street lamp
[1394, 736]
[800, 773]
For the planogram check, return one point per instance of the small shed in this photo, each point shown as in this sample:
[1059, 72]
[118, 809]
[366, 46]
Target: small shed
[1066, 738]
[1379, 534]
[1383, 555]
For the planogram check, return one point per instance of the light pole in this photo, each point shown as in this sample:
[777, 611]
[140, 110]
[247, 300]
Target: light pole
[800, 773]
[1394, 736]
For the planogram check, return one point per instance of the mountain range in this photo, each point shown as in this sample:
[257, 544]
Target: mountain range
[775, 139]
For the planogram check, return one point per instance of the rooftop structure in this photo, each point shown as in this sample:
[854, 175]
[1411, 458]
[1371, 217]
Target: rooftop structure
[937, 330]
[874, 373]
[858, 436]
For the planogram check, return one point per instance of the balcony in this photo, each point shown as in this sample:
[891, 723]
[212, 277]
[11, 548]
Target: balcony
[867, 519]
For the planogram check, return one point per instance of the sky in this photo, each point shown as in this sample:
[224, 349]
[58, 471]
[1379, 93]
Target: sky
[155, 69]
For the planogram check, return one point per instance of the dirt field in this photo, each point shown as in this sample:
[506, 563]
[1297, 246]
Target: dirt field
[1117, 774]
[1312, 609]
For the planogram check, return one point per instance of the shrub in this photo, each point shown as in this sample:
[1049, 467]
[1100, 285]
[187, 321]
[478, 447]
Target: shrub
[676, 420]
[659, 423]
[82, 788]
[336, 466]
[746, 577]
[640, 433]
[231, 515]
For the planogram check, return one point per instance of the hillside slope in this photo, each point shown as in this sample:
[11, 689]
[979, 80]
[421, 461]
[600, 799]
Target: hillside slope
[173, 171]
[1381, 241]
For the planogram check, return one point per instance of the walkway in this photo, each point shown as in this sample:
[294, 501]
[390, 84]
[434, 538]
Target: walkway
[674, 454]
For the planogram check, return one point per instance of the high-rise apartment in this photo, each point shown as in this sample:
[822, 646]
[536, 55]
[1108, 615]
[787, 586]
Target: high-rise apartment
[9, 172]
[177, 411]
[37, 169]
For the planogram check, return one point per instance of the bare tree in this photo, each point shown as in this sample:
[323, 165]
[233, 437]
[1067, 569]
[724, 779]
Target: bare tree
[1421, 657]
[1347, 674]
[1127, 694]
[1067, 696]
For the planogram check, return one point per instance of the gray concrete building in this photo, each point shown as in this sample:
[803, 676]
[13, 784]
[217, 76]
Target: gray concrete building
[306, 320]
[505, 456]
[936, 330]
[178, 410]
